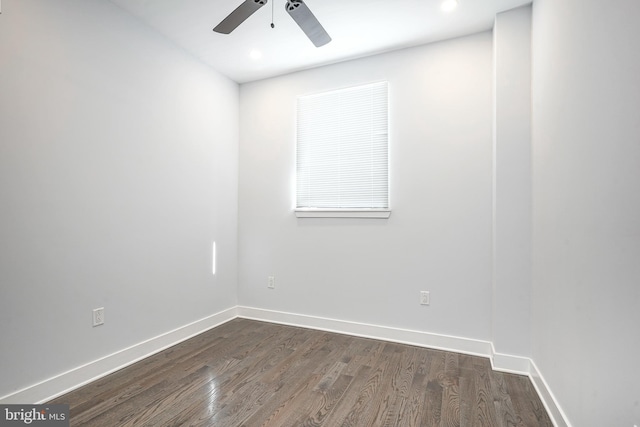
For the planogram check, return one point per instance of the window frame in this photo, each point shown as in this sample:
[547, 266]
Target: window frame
[319, 212]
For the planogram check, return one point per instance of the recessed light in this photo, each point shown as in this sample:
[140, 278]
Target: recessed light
[449, 5]
[255, 54]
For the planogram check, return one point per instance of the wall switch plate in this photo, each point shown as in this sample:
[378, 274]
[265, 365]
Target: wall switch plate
[98, 316]
[425, 299]
[271, 284]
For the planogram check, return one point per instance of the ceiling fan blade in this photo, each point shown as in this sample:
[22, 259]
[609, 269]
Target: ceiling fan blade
[307, 21]
[238, 16]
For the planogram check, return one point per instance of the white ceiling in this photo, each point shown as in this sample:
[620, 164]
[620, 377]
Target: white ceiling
[358, 28]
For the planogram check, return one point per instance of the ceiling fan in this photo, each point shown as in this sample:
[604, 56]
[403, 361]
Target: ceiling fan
[297, 9]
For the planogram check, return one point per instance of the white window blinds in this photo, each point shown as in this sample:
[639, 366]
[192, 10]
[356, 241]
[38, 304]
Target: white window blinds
[342, 149]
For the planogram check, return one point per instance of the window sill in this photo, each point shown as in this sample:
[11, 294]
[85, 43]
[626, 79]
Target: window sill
[343, 213]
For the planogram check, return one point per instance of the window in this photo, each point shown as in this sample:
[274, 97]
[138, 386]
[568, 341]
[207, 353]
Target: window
[343, 153]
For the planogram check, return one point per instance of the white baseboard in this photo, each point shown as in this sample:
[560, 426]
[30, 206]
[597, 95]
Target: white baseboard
[508, 363]
[385, 333]
[554, 410]
[77, 377]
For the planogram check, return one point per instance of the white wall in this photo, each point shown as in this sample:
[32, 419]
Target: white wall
[512, 183]
[439, 235]
[118, 168]
[586, 171]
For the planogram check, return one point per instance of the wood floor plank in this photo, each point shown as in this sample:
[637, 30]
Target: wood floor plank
[506, 416]
[526, 402]
[449, 381]
[366, 395]
[324, 399]
[416, 410]
[249, 373]
[412, 414]
[403, 385]
[384, 405]
[484, 412]
[309, 356]
[338, 415]
[467, 389]
[256, 390]
[431, 416]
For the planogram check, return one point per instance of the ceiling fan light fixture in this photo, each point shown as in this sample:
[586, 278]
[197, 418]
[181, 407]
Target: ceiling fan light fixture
[448, 6]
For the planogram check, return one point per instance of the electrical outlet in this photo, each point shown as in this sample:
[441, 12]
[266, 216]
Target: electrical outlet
[425, 299]
[98, 316]
[271, 284]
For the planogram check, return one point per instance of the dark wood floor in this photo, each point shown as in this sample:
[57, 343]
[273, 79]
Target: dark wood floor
[247, 373]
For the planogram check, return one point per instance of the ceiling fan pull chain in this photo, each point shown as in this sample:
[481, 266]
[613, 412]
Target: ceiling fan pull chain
[272, 24]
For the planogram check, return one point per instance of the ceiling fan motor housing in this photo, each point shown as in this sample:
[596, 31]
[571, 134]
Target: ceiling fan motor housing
[293, 4]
